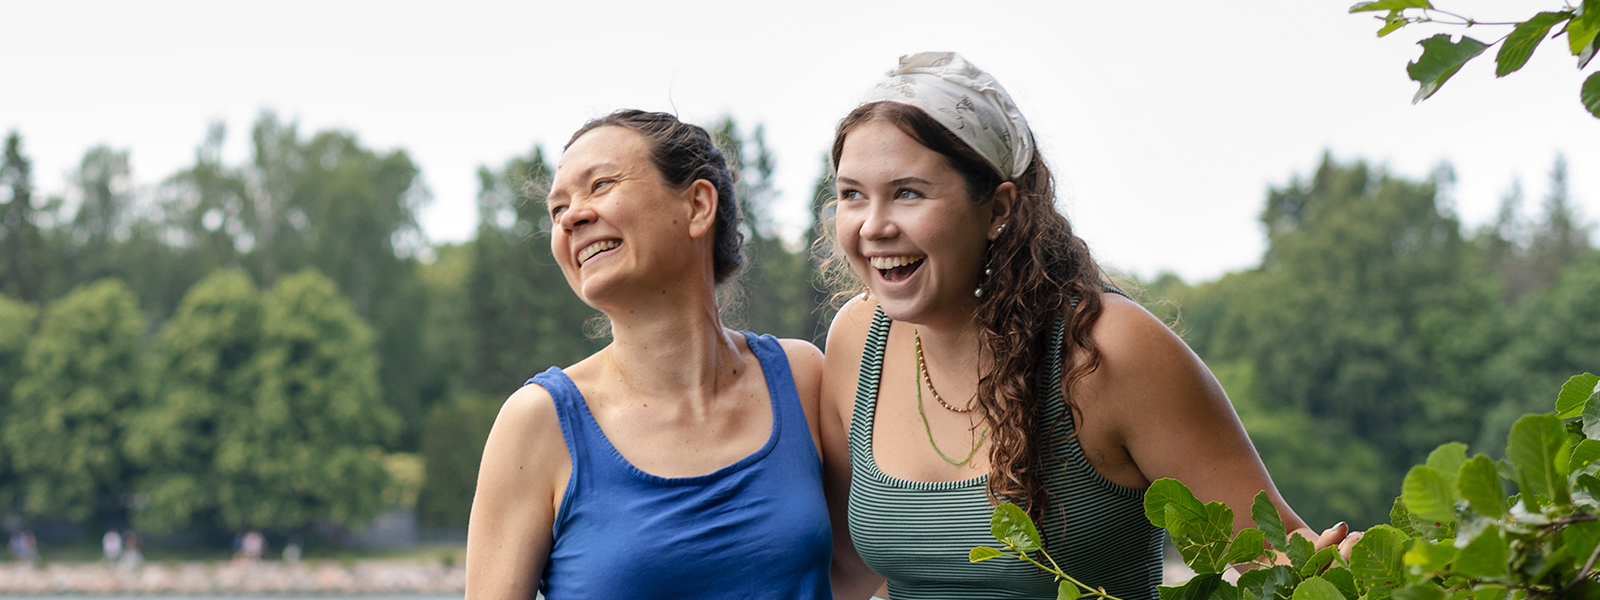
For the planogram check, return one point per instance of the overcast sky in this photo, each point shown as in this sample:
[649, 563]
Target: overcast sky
[1166, 122]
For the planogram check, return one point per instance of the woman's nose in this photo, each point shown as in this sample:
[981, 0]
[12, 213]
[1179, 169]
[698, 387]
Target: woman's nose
[879, 223]
[577, 213]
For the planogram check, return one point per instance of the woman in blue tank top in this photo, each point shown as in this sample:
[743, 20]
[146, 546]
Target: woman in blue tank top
[681, 460]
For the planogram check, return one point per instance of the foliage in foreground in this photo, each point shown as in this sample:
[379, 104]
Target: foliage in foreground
[1453, 532]
[1442, 57]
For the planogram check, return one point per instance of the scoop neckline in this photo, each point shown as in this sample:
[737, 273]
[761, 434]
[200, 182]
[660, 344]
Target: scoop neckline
[720, 472]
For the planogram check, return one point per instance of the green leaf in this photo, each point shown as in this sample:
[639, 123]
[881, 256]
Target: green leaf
[1581, 30]
[1584, 454]
[1395, 20]
[1590, 94]
[1068, 591]
[1400, 518]
[1204, 543]
[1389, 5]
[1447, 460]
[1485, 556]
[1590, 423]
[1480, 485]
[1270, 583]
[1429, 494]
[1489, 592]
[1247, 546]
[1524, 38]
[1171, 491]
[1588, 53]
[983, 553]
[1590, 484]
[1341, 578]
[1012, 526]
[1441, 58]
[1299, 551]
[1420, 591]
[1576, 391]
[1319, 561]
[1317, 588]
[1199, 588]
[1581, 539]
[1376, 560]
[1532, 447]
[1430, 557]
[1266, 517]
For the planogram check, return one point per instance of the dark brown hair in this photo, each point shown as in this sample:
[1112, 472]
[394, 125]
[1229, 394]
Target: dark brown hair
[1037, 267]
[684, 153]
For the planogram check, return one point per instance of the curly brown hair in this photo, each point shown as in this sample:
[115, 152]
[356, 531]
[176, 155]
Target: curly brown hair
[1037, 268]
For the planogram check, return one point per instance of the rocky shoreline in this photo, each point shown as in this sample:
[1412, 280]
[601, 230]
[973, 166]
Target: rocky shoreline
[374, 576]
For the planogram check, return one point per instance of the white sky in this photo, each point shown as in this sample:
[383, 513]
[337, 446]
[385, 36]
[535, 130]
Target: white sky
[1165, 121]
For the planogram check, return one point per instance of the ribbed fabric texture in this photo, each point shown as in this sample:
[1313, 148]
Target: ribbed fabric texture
[918, 534]
[757, 528]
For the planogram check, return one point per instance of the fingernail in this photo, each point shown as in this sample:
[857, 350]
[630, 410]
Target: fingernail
[1340, 524]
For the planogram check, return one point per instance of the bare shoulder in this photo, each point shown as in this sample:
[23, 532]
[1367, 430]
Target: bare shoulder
[849, 329]
[526, 439]
[1134, 343]
[842, 362]
[803, 355]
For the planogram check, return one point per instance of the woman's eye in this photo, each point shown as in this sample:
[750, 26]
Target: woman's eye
[601, 183]
[907, 195]
[849, 195]
[555, 211]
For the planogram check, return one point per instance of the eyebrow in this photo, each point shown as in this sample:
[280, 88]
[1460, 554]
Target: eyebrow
[900, 181]
[583, 176]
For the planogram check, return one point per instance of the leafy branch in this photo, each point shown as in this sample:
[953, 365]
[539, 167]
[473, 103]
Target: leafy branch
[1453, 534]
[1012, 527]
[1442, 56]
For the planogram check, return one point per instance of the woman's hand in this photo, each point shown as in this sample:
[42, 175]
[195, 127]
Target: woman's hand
[1339, 535]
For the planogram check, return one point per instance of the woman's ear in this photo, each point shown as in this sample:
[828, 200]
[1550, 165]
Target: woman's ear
[703, 202]
[1000, 205]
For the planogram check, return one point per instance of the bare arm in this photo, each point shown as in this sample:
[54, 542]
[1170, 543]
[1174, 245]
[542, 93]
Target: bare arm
[524, 471]
[1174, 419]
[805, 364]
[852, 579]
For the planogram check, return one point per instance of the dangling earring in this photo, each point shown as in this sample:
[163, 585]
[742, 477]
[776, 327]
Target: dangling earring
[978, 291]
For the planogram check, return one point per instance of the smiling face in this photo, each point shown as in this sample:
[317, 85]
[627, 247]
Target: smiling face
[616, 225]
[908, 225]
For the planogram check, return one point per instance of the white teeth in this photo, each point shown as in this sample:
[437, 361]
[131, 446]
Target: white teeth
[596, 248]
[890, 262]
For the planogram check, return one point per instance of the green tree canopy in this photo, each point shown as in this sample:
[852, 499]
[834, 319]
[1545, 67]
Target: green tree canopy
[68, 411]
[306, 449]
[205, 371]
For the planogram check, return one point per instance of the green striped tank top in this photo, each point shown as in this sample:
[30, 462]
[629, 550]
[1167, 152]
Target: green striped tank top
[917, 534]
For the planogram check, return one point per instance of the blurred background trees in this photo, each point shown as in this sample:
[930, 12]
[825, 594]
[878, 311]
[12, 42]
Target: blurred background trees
[274, 344]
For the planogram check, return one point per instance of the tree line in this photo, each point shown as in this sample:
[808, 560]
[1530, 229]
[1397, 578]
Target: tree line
[262, 345]
[274, 344]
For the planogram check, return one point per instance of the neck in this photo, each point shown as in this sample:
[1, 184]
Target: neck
[672, 346]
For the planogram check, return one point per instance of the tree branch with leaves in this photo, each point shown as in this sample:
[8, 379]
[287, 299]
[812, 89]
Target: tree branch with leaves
[1442, 56]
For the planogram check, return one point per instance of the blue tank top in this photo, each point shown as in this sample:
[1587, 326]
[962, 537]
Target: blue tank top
[757, 528]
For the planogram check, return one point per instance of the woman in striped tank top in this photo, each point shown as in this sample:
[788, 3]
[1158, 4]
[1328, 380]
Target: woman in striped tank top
[680, 461]
[987, 359]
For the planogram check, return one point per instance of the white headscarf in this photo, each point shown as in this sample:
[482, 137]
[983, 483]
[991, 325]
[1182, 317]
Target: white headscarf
[967, 101]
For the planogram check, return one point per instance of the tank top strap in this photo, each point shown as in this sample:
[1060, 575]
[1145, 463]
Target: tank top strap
[787, 413]
[570, 413]
[868, 378]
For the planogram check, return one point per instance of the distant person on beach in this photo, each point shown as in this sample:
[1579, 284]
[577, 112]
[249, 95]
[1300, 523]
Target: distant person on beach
[111, 544]
[23, 547]
[681, 460]
[988, 359]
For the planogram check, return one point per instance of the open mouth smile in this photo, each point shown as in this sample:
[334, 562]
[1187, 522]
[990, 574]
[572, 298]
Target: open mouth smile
[596, 248]
[896, 268]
